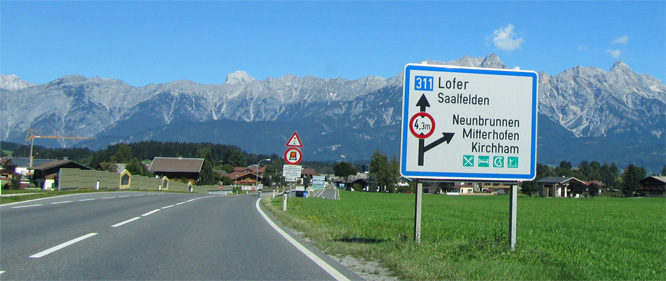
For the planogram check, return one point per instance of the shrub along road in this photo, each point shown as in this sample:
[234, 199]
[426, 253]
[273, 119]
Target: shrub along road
[148, 236]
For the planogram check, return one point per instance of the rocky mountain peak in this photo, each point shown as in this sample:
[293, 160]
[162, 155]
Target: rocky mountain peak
[12, 82]
[239, 77]
[493, 61]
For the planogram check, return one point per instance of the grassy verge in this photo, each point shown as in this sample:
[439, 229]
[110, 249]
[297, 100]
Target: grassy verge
[465, 237]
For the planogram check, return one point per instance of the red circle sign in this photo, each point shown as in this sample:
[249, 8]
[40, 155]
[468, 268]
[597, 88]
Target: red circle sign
[293, 156]
[422, 129]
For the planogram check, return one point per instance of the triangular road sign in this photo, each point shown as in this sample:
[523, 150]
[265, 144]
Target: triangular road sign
[294, 141]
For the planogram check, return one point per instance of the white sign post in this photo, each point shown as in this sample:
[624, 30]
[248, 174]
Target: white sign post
[468, 124]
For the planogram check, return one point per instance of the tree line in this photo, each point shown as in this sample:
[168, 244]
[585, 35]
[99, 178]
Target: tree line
[383, 173]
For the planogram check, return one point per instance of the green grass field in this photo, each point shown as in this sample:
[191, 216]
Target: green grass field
[465, 237]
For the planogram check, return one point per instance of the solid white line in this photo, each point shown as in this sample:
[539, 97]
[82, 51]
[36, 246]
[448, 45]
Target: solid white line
[27, 206]
[167, 207]
[321, 263]
[150, 213]
[2, 271]
[63, 245]
[89, 199]
[61, 202]
[127, 221]
[181, 203]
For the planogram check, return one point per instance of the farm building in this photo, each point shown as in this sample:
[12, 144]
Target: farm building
[45, 175]
[555, 186]
[653, 186]
[177, 168]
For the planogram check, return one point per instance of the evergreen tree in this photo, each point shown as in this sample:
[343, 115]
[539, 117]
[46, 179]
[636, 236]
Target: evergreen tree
[206, 176]
[372, 182]
[630, 180]
[124, 154]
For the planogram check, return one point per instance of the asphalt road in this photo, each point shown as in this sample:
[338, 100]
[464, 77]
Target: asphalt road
[153, 236]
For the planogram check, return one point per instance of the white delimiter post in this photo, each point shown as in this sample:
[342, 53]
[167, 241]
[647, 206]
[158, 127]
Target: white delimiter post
[284, 202]
[513, 209]
[417, 213]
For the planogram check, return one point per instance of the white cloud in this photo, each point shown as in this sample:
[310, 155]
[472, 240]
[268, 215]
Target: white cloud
[614, 53]
[582, 48]
[621, 40]
[505, 39]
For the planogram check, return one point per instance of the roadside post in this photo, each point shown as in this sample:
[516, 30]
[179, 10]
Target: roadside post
[513, 208]
[468, 124]
[291, 171]
[97, 185]
[284, 202]
[417, 212]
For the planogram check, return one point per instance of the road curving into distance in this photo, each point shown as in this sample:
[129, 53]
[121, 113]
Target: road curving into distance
[150, 236]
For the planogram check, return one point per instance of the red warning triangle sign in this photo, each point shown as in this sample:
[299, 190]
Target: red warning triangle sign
[294, 141]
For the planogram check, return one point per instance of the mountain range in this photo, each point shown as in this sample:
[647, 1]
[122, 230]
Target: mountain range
[585, 113]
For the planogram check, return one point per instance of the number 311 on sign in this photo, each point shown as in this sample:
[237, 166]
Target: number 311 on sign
[423, 83]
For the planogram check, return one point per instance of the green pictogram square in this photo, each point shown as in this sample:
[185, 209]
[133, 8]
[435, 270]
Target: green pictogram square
[512, 162]
[468, 160]
[498, 161]
[484, 161]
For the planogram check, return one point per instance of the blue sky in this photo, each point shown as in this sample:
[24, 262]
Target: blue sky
[147, 42]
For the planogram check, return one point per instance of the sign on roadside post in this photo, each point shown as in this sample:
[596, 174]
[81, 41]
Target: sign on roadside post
[464, 123]
[469, 123]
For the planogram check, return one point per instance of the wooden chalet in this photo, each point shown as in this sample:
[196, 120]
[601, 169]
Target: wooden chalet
[177, 168]
[653, 186]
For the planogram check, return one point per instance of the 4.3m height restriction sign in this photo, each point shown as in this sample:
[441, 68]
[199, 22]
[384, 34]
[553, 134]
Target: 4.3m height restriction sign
[468, 123]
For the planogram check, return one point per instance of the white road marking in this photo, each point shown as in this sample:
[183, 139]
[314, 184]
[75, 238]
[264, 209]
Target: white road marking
[167, 207]
[2, 271]
[150, 213]
[27, 206]
[61, 202]
[89, 199]
[138, 195]
[321, 263]
[181, 203]
[108, 197]
[63, 245]
[127, 221]
[123, 196]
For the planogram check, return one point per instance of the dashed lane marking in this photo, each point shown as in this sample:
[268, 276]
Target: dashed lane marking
[125, 222]
[150, 213]
[27, 206]
[63, 245]
[61, 202]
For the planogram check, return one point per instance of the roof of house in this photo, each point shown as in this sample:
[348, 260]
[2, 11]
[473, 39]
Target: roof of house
[658, 178]
[252, 169]
[235, 175]
[308, 171]
[25, 161]
[559, 180]
[176, 165]
[6, 161]
[56, 163]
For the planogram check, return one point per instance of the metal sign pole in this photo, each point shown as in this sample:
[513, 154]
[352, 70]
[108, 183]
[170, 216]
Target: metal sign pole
[417, 213]
[513, 208]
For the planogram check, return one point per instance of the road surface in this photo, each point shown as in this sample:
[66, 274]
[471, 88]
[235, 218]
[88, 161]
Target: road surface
[150, 236]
